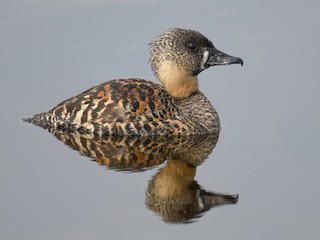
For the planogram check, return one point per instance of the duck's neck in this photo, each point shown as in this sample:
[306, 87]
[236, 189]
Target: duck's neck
[198, 113]
[179, 83]
[195, 110]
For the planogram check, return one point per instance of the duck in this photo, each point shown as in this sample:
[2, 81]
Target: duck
[138, 107]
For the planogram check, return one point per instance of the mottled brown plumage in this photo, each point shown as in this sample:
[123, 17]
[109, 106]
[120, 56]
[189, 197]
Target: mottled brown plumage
[125, 107]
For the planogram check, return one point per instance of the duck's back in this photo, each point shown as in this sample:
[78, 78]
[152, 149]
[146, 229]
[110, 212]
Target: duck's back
[117, 107]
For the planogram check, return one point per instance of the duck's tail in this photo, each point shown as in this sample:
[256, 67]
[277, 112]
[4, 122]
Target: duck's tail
[43, 120]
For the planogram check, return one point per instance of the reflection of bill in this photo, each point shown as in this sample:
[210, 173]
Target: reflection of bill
[172, 192]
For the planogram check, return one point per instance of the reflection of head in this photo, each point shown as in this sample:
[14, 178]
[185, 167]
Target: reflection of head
[173, 194]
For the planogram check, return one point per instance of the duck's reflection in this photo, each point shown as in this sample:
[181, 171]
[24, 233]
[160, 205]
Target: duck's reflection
[172, 192]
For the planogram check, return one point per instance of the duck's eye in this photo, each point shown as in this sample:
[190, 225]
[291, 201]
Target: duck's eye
[192, 46]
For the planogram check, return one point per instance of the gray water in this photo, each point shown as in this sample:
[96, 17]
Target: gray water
[268, 150]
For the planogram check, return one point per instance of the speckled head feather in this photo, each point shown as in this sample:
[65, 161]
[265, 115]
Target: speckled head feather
[177, 57]
[182, 47]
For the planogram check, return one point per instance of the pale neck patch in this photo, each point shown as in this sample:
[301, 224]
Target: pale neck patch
[200, 200]
[178, 82]
[204, 59]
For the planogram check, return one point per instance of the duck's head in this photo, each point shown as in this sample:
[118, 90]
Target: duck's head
[178, 55]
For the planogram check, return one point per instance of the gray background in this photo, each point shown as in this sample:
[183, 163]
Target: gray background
[268, 151]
